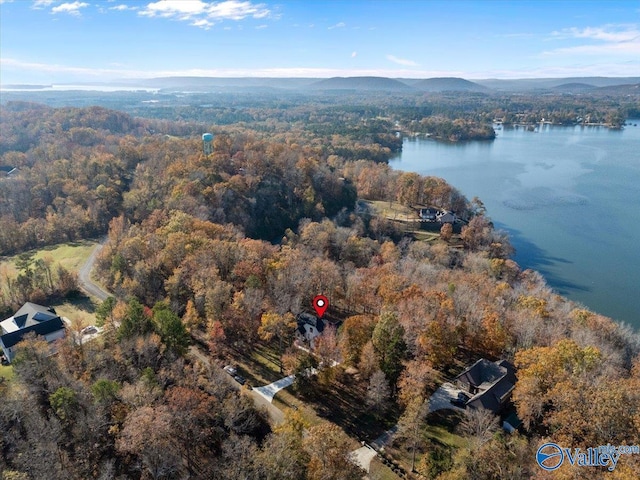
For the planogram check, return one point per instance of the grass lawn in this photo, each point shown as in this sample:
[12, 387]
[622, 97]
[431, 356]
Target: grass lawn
[392, 210]
[439, 440]
[80, 310]
[70, 255]
[439, 428]
[379, 471]
[258, 364]
[342, 401]
[6, 371]
[425, 236]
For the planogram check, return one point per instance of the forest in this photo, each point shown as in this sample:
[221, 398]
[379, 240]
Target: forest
[211, 257]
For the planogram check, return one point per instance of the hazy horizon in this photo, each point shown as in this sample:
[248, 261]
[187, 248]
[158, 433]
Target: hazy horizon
[54, 41]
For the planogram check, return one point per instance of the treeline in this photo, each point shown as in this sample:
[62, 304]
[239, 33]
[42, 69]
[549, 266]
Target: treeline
[453, 130]
[77, 178]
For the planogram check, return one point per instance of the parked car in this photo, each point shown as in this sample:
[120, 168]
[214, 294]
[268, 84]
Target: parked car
[230, 370]
[461, 401]
[239, 379]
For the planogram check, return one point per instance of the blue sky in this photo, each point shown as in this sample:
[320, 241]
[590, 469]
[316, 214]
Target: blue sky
[83, 40]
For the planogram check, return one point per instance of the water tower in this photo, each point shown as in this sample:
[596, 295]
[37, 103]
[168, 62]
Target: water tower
[207, 143]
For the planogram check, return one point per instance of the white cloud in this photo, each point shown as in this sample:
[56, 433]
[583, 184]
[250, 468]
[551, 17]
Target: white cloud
[205, 14]
[234, 10]
[354, 54]
[123, 7]
[261, 27]
[402, 61]
[337, 25]
[42, 3]
[70, 8]
[607, 33]
[606, 40]
[173, 8]
[203, 23]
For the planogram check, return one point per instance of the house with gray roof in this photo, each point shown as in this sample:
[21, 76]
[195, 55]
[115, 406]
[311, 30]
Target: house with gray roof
[43, 321]
[309, 327]
[488, 384]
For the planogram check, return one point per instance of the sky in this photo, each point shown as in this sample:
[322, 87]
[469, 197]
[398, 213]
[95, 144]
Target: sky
[54, 41]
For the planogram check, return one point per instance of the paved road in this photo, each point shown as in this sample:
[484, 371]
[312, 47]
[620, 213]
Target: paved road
[84, 276]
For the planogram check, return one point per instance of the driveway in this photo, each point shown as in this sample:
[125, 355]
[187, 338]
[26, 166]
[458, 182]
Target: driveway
[84, 276]
[441, 398]
[269, 391]
[363, 456]
[275, 414]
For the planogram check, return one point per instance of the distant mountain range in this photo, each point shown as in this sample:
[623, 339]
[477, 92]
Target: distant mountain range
[552, 83]
[360, 83]
[444, 84]
[576, 85]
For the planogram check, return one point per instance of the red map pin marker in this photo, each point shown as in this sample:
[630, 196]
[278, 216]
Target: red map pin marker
[320, 303]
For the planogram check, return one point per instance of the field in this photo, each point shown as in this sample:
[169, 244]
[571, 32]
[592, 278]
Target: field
[392, 210]
[72, 256]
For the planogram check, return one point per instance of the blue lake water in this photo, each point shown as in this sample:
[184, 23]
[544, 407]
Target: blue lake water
[569, 198]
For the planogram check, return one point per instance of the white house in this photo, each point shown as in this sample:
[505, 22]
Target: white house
[44, 321]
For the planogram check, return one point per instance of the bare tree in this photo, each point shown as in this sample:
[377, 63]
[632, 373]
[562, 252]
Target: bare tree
[378, 392]
[480, 424]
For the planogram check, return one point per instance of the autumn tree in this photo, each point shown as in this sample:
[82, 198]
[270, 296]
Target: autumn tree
[355, 332]
[546, 373]
[411, 423]
[283, 455]
[326, 347]
[417, 379]
[368, 362]
[277, 326]
[446, 232]
[196, 424]
[147, 433]
[328, 448]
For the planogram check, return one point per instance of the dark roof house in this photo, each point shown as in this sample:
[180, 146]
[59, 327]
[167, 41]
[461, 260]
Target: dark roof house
[309, 327]
[31, 317]
[489, 383]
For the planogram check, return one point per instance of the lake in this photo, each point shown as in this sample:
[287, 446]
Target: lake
[569, 198]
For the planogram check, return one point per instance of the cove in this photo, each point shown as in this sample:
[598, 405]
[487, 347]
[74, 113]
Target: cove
[569, 197]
